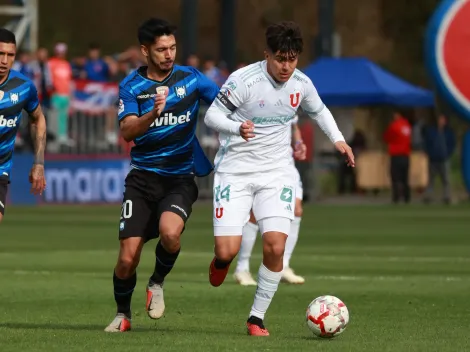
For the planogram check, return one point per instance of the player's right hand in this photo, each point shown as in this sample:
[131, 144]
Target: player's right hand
[159, 104]
[247, 130]
[37, 179]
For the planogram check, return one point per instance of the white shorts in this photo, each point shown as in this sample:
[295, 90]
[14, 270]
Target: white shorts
[270, 194]
[299, 190]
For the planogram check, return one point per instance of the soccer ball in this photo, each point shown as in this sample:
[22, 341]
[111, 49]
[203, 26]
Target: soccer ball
[327, 316]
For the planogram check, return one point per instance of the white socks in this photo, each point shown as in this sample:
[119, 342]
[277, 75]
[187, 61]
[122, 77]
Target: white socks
[268, 281]
[250, 231]
[291, 241]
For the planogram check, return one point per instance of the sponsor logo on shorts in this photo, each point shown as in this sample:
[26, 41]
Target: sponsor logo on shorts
[286, 194]
[180, 209]
[121, 225]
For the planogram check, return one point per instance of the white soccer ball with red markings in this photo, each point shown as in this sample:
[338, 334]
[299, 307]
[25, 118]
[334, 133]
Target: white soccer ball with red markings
[327, 316]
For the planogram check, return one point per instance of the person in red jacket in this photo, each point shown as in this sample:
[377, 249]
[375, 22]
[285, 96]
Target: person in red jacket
[398, 138]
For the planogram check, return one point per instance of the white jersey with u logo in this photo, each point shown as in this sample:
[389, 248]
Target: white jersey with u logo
[257, 174]
[250, 93]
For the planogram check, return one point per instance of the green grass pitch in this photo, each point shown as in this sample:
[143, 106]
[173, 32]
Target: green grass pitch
[403, 272]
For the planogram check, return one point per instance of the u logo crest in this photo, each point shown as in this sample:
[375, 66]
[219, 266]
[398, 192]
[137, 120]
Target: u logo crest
[219, 212]
[295, 99]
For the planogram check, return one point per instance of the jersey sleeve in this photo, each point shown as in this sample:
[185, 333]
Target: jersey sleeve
[127, 103]
[232, 94]
[311, 102]
[207, 89]
[33, 99]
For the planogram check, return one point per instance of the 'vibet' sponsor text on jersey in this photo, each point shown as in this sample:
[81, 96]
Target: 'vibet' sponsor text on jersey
[7, 122]
[169, 119]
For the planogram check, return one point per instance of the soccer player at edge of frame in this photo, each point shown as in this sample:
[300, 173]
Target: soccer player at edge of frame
[158, 109]
[253, 114]
[17, 92]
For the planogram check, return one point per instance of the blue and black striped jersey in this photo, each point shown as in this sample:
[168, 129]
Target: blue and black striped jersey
[169, 147]
[16, 93]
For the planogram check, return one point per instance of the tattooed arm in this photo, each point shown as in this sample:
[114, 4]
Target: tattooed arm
[38, 135]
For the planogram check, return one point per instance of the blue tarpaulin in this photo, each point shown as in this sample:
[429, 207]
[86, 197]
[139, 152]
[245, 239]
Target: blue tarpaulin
[358, 81]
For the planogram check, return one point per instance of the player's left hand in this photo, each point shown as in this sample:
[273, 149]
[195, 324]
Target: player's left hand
[346, 150]
[300, 151]
[37, 179]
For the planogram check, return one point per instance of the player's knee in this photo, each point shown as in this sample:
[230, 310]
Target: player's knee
[274, 247]
[299, 210]
[1, 217]
[126, 265]
[170, 240]
[227, 252]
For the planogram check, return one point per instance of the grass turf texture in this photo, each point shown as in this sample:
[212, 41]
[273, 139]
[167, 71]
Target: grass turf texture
[403, 272]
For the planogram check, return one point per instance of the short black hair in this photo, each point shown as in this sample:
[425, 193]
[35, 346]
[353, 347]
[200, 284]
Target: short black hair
[7, 36]
[284, 37]
[153, 28]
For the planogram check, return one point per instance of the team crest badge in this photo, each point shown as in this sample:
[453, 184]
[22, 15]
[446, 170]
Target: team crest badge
[2, 94]
[261, 103]
[180, 92]
[14, 97]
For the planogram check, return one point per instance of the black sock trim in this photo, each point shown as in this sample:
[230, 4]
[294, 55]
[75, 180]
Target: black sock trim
[220, 264]
[256, 321]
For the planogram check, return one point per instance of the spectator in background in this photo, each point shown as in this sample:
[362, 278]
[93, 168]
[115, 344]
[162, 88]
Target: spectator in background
[23, 64]
[193, 61]
[61, 72]
[439, 143]
[42, 77]
[213, 72]
[95, 67]
[78, 67]
[122, 69]
[133, 56]
[398, 138]
[224, 71]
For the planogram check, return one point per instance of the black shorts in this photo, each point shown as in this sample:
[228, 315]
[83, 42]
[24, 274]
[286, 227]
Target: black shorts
[3, 194]
[147, 195]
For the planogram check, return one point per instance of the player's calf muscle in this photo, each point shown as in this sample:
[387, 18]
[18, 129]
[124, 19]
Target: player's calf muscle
[129, 257]
[227, 247]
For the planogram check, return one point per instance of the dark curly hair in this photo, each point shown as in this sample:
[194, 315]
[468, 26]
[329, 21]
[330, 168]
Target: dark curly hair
[284, 37]
[154, 28]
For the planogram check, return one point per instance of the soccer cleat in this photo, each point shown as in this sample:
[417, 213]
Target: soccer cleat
[217, 276]
[255, 327]
[121, 323]
[155, 304]
[290, 277]
[244, 278]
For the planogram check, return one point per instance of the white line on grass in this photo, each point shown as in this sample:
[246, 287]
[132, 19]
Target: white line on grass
[413, 278]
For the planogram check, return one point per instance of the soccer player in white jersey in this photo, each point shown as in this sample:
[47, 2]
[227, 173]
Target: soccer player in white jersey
[242, 273]
[253, 114]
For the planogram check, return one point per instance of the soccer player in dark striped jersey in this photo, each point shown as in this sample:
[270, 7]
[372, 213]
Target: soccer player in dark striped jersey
[17, 92]
[158, 110]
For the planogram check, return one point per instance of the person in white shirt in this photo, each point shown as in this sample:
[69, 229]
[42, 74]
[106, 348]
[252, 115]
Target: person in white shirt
[242, 273]
[253, 114]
